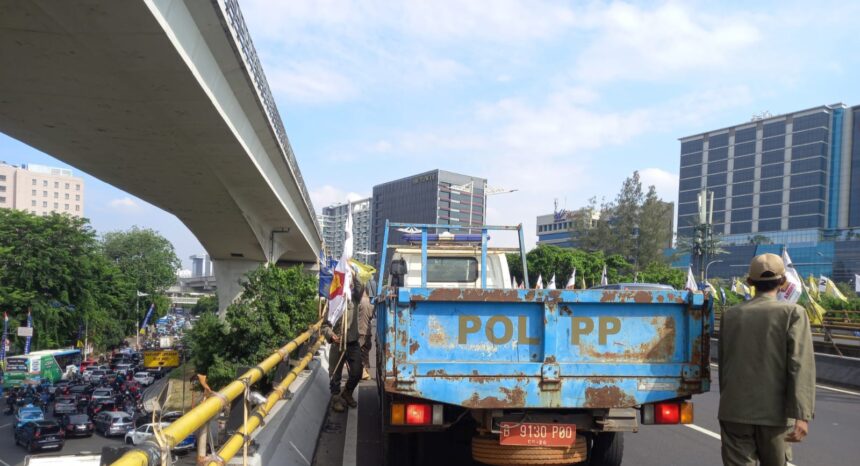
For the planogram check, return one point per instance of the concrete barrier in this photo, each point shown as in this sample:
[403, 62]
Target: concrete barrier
[829, 369]
[289, 436]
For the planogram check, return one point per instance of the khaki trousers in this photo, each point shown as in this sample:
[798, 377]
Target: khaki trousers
[749, 444]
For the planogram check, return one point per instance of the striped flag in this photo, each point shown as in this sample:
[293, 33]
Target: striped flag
[341, 284]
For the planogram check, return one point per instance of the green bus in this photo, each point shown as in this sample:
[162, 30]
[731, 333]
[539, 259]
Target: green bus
[39, 366]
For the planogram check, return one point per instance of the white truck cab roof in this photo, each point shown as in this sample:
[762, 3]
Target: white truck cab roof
[455, 266]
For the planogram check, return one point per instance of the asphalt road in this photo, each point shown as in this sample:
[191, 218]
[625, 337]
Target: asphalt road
[14, 455]
[834, 439]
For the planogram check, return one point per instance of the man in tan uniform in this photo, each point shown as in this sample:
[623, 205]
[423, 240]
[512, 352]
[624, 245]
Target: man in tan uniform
[767, 372]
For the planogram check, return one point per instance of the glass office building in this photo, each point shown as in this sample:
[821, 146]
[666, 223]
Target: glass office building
[780, 181]
[435, 197]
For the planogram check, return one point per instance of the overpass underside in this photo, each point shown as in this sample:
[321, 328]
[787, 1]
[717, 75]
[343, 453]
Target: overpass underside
[164, 100]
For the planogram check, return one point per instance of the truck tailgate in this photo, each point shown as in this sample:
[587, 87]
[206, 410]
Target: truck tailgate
[545, 348]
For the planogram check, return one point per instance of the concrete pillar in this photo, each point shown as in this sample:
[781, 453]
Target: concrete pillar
[229, 276]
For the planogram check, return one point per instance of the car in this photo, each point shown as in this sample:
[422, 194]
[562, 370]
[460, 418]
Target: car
[113, 423]
[634, 287]
[65, 405]
[102, 394]
[88, 373]
[157, 372]
[28, 413]
[98, 406]
[142, 433]
[187, 444]
[77, 425]
[123, 368]
[171, 416]
[144, 378]
[97, 376]
[40, 435]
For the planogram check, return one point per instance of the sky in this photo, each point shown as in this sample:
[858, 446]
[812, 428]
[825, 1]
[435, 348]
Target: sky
[558, 100]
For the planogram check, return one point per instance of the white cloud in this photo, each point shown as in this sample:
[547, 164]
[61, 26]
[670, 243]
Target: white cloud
[665, 182]
[634, 43]
[328, 195]
[124, 205]
[311, 82]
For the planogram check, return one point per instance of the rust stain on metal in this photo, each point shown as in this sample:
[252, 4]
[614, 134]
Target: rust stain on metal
[414, 347]
[511, 398]
[607, 397]
[565, 309]
[643, 297]
[550, 360]
[437, 373]
[660, 348]
[437, 337]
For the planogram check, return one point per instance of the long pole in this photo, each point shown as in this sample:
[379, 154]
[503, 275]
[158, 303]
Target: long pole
[86, 337]
[137, 318]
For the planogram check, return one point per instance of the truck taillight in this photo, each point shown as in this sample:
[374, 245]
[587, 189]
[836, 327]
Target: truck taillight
[417, 414]
[671, 412]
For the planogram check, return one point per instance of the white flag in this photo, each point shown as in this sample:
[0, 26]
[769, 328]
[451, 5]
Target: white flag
[340, 292]
[603, 279]
[571, 283]
[514, 283]
[856, 283]
[539, 284]
[691, 280]
[822, 284]
[551, 284]
[793, 283]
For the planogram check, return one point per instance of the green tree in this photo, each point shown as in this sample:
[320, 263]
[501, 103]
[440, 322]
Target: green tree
[146, 257]
[600, 235]
[625, 221]
[206, 304]
[547, 260]
[275, 306]
[53, 266]
[655, 232]
[660, 272]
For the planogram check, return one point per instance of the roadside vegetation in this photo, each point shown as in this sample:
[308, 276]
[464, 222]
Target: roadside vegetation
[72, 281]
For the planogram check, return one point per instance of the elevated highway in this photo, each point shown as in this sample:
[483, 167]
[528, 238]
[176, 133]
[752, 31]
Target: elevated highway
[164, 99]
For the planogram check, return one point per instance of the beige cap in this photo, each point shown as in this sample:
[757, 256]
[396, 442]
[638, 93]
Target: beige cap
[766, 267]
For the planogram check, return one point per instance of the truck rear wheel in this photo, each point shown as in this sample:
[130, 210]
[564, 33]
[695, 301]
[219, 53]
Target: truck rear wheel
[608, 449]
[487, 450]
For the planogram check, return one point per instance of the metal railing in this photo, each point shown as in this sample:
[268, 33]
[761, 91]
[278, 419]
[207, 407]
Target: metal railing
[235, 23]
[151, 452]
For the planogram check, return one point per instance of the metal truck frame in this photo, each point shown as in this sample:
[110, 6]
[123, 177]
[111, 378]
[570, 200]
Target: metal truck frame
[604, 360]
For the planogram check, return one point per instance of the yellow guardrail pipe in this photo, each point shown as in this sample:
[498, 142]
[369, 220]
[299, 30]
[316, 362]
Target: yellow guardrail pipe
[193, 420]
[236, 441]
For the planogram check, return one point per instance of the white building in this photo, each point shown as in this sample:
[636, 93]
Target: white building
[41, 190]
[333, 220]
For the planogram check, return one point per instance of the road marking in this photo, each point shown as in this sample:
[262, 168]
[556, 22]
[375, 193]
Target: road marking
[350, 444]
[715, 435]
[825, 387]
[5, 425]
[4, 463]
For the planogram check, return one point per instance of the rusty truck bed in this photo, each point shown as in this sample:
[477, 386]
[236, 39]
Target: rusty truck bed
[482, 348]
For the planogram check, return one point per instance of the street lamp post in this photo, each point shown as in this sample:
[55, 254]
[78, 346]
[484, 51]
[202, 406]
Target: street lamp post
[708, 265]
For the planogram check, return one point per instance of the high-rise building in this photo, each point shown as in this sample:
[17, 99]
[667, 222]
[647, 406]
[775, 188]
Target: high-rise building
[565, 228]
[41, 190]
[435, 197]
[333, 222]
[779, 181]
[201, 266]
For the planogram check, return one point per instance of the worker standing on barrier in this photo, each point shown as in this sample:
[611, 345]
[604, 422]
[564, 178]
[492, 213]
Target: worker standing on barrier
[767, 372]
[345, 349]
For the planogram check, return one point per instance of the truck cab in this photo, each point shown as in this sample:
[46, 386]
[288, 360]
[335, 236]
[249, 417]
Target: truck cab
[522, 375]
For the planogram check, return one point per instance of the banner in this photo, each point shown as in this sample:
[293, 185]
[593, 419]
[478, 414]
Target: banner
[551, 284]
[29, 325]
[539, 284]
[793, 287]
[4, 339]
[571, 282]
[146, 318]
[691, 280]
[603, 279]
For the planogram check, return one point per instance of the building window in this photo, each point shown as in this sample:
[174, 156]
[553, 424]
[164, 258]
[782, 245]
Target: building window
[77, 208]
[33, 203]
[67, 196]
[45, 204]
[2, 177]
[45, 183]
[67, 207]
[44, 193]
[77, 197]
[56, 205]
[2, 188]
[77, 187]
[67, 185]
[34, 181]
[2, 200]
[56, 195]
[56, 185]
[34, 192]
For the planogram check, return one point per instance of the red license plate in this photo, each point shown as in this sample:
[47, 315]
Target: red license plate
[537, 434]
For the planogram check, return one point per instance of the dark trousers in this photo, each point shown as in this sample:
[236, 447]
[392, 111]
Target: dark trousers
[352, 358]
[366, 342]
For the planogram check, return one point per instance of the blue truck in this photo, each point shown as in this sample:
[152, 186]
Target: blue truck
[525, 376]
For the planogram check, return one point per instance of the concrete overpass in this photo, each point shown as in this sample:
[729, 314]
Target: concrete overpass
[164, 99]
